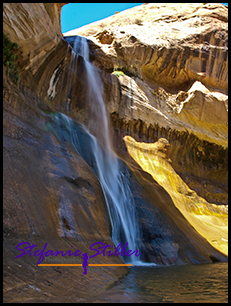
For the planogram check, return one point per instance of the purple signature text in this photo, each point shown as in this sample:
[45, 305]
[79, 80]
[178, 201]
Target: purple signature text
[30, 249]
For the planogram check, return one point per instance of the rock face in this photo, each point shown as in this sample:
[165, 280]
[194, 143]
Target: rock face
[189, 47]
[169, 44]
[173, 83]
[49, 197]
[210, 220]
[51, 193]
[32, 29]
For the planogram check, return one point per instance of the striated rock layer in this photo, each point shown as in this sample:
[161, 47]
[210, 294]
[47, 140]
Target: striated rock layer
[210, 220]
[170, 50]
[52, 195]
[170, 80]
[171, 44]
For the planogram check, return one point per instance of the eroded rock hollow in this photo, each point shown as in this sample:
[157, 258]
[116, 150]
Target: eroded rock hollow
[163, 69]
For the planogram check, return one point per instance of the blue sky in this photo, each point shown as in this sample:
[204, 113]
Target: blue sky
[75, 15]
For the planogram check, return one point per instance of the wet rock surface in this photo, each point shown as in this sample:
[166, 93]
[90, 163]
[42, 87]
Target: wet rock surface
[50, 196]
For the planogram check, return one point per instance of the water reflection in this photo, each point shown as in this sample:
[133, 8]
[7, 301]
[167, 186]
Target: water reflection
[178, 284]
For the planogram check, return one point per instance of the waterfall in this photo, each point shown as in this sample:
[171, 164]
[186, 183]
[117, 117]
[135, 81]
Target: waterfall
[98, 121]
[115, 184]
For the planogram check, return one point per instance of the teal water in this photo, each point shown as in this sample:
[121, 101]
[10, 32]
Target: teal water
[205, 283]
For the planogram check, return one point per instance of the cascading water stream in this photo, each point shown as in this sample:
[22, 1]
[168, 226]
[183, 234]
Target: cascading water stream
[98, 121]
[115, 184]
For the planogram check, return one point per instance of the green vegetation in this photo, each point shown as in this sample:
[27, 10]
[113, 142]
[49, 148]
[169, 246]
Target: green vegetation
[118, 73]
[123, 70]
[9, 57]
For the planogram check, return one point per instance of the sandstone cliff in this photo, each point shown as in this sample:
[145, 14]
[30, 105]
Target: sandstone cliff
[169, 44]
[169, 88]
[210, 220]
[173, 60]
[171, 50]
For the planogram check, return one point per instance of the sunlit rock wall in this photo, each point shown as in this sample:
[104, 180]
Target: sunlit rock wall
[170, 80]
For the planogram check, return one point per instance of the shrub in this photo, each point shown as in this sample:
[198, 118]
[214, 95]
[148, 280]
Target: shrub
[118, 73]
[9, 57]
[124, 70]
